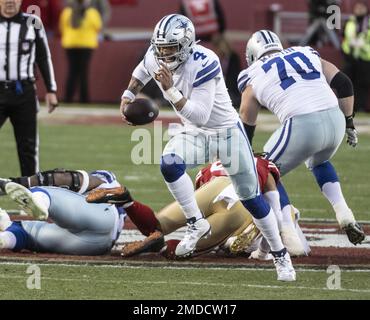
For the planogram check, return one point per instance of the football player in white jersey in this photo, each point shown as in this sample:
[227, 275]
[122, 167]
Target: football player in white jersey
[296, 85]
[190, 77]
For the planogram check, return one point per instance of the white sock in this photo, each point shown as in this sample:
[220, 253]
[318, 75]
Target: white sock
[269, 229]
[273, 199]
[42, 199]
[287, 216]
[7, 240]
[333, 192]
[183, 191]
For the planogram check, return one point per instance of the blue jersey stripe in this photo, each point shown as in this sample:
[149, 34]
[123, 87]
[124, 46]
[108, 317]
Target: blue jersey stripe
[278, 142]
[109, 176]
[241, 86]
[286, 142]
[314, 52]
[207, 78]
[242, 78]
[204, 71]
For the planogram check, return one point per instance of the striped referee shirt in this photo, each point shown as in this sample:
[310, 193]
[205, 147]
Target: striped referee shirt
[23, 43]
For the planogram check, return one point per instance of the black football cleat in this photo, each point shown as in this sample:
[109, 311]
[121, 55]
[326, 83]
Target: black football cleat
[355, 233]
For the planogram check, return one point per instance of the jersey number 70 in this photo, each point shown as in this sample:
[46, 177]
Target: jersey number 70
[286, 81]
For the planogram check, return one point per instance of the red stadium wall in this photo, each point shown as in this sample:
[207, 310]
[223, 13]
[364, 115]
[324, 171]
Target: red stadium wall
[240, 14]
[113, 62]
[111, 68]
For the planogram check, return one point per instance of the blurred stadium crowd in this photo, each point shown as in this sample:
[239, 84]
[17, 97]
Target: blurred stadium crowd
[83, 33]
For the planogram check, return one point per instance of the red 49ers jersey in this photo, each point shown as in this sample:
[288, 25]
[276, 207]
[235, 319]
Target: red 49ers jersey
[264, 167]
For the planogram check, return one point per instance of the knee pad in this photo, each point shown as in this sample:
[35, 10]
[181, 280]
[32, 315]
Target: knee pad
[172, 167]
[257, 207]
[47, 178]
[324, 173]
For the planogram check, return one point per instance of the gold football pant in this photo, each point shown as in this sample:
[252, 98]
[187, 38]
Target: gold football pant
[224, 223]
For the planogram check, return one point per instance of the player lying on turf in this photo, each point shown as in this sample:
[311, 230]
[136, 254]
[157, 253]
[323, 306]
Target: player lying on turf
[78, 228]
[232, 225]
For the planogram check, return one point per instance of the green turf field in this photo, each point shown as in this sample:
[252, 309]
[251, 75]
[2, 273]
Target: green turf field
[107, 282]
[109, 147]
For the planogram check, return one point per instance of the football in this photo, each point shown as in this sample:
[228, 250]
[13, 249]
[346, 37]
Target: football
[141, 111]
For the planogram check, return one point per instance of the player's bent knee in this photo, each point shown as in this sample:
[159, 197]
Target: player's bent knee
[257, 206]
[172, 167]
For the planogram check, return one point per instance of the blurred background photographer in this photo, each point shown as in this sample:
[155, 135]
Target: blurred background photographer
[356, 50]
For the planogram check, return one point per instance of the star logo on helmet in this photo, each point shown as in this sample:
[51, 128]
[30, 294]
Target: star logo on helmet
[183, 25]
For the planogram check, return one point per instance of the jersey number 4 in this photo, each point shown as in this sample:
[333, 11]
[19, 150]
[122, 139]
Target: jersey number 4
[286, 81]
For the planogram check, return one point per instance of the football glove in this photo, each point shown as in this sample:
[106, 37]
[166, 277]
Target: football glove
[351, 132]
[118, 196]
[153, 243]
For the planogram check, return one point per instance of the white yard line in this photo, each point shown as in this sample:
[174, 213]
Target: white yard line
[188, 283]
[174, 267]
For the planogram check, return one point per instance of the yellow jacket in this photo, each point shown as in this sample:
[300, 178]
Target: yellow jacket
[351, 36]
[86, 36]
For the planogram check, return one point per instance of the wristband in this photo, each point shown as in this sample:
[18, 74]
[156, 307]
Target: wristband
[250, 131]
[349, 122]
[173, 95]
[129, 95]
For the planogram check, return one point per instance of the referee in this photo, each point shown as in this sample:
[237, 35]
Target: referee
[23, 43]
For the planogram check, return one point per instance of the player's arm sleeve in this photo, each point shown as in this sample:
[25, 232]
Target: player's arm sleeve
[249, 105]
[243, 81]
[43, 58]
[198, 108]
[141, 73]
[342, 85]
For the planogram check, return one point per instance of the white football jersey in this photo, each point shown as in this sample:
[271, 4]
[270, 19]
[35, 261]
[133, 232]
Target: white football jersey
[289, 83]
[202, 66]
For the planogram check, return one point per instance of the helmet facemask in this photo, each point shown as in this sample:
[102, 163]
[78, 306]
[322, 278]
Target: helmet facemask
[173, 59]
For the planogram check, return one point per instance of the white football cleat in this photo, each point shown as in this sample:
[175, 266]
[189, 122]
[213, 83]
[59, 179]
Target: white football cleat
[291, 241]
[26, 200]
[195, 231]
[5, 221]
[283, 265]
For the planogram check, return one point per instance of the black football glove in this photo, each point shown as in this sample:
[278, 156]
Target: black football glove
[352, 138]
